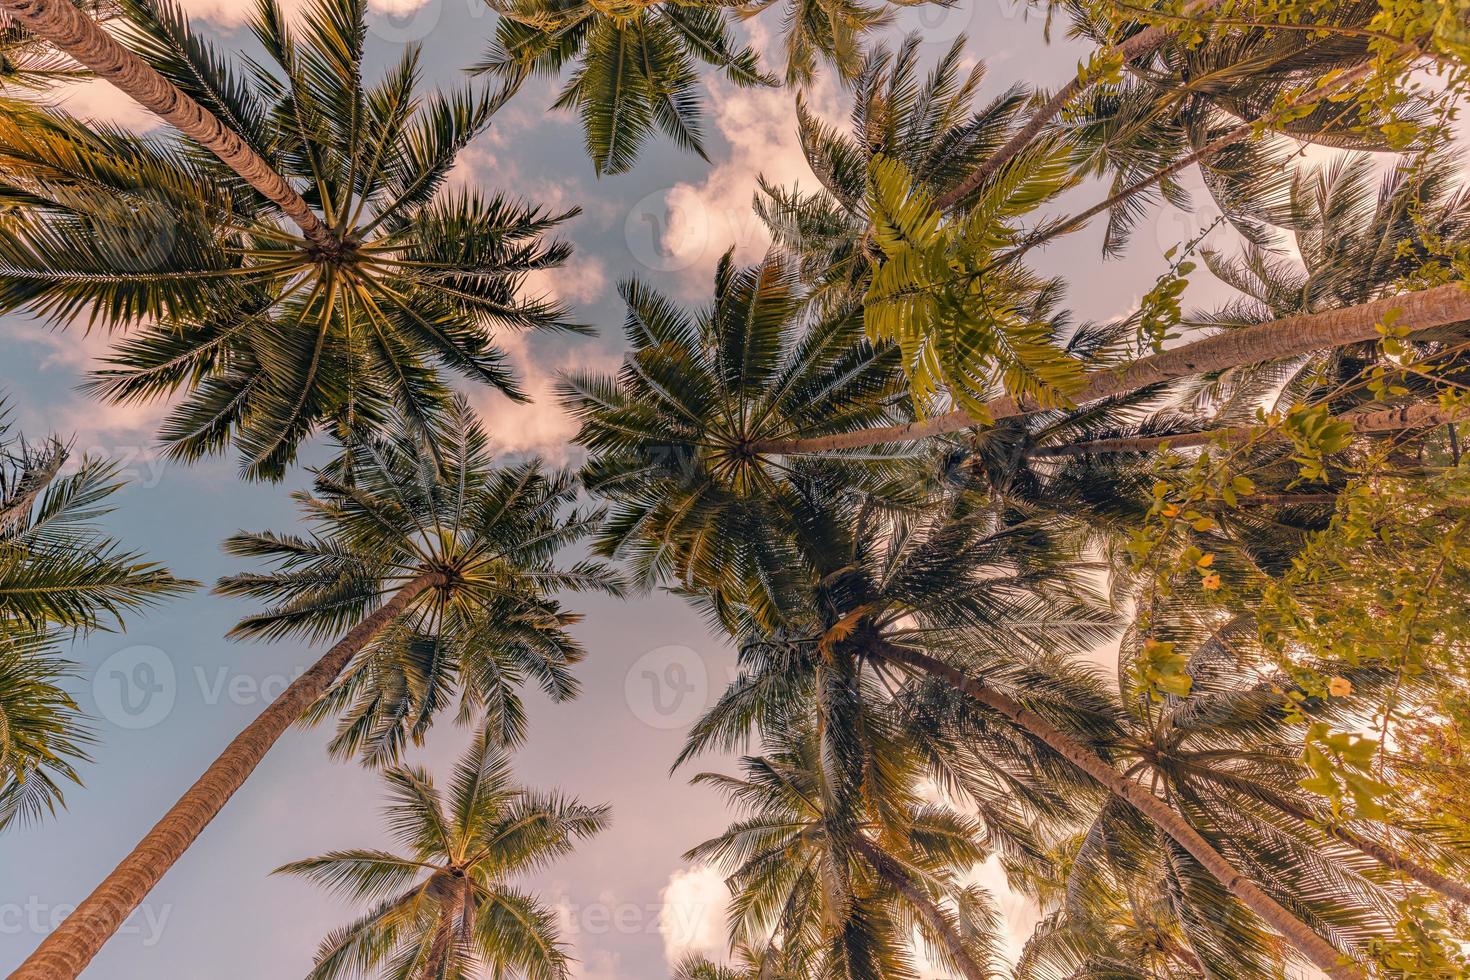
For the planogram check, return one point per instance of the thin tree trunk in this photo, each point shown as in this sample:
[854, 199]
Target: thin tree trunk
[1288, 337]
[1144, 42]
[73, 32]
[894, 874]
[1229, 138]
[1386, 856]
[1421, 416]
[67, 951]
[1317, 950]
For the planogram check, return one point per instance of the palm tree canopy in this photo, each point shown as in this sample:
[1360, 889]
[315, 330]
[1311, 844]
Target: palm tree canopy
[266, 335]
[59, 572]
[829, 894]
[636, 67]
[443, 905]
[637, 60]
[670, 434]
[389, 511]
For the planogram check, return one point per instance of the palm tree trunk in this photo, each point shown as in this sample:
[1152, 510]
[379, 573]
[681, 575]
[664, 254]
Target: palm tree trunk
[1276, 339]
[893, 873]
[73, 32]
[1237, 134]
[68, 950]
[1144, 42]
[444, 935]
[1317, 950]
[1422, 416]
[1386, 856]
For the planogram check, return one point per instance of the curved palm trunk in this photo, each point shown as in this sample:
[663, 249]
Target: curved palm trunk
[1144, 42]
[1423, 416]
[67, 950]
[1276, 339]
[893, 873]
[1317, 950]
[73, 32]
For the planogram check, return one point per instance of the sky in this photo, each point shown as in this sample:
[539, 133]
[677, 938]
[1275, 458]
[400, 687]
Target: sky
[168, 692]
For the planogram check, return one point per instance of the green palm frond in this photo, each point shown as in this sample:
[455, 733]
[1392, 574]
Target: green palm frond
[262, 336]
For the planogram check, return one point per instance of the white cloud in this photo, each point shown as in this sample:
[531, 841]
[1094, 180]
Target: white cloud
[693, 918]
[692, 224]
[99, 101]
[538, 426]
[94, 426]
[600, 965]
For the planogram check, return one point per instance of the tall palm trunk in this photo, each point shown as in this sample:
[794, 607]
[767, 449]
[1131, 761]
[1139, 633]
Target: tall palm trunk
[79, 36]
[1288, 337]
[1421, 416]
[893, 873]
[68, 950]
[1317, 950]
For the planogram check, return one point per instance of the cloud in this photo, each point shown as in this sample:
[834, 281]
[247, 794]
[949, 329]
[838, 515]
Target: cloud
[693, 917]
[686, 228]
[93, 425]
[600, 965]
[539, 426]
[99, 101]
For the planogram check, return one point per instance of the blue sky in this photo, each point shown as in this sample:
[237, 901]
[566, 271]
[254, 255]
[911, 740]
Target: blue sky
[168, 692]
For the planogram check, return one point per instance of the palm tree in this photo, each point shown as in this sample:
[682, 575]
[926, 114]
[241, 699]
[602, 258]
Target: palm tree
[269, 333]
[926, 122]
[444, 907]
[58, 572]
[1180, 98]
[792, 561]
[1231, 752]
[57, 568]
[845, 898]
[671, 436]
[410, 554]
[636, 60]
[636, 66]
[1274, 340]
[42, 732]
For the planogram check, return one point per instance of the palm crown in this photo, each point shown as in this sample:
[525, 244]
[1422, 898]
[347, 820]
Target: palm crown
[444, 907]
[267, 333]
[822, 895]
[636, 66]
[384, 515]
[672, 434]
